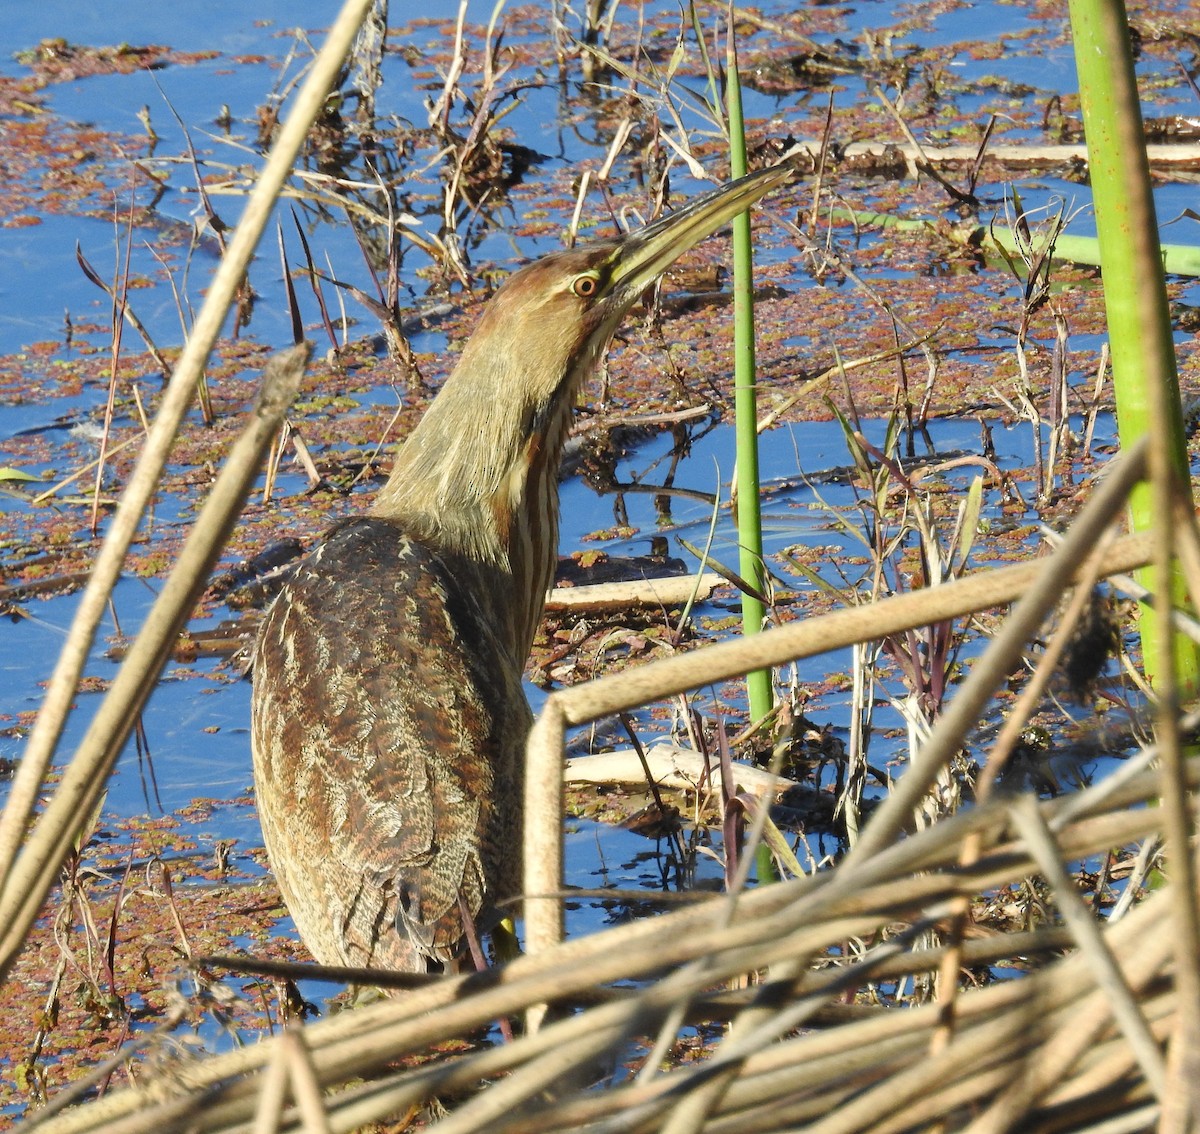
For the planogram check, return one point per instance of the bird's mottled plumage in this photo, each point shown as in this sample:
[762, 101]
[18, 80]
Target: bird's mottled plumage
[389, 722]
[405, 670]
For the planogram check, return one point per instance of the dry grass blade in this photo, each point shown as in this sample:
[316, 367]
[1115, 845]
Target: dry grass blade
[912, 883]
[34, 872]
[177, 396]
[543, 850]
[56, 488]
[122, 303]
[1083, 925]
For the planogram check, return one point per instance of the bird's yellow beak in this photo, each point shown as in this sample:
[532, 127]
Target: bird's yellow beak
[644, 255]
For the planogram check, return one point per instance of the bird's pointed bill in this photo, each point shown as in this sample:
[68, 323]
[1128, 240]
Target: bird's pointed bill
[646, 254]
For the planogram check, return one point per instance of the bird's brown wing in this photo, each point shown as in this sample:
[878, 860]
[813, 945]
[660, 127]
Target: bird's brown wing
[389, 726]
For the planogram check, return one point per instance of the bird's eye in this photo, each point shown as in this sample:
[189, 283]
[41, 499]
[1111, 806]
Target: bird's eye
[586, 286]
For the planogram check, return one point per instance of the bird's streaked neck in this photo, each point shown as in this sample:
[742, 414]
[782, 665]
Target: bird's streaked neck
[478, 480]
[478, 477]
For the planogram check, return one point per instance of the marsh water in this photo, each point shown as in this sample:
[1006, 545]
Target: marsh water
[132, 106]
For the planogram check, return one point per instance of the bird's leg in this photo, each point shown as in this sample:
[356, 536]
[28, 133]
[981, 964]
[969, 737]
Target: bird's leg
[472, 935]
[481, 962]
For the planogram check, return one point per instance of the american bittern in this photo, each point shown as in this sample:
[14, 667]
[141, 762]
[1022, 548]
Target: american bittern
[389, 722]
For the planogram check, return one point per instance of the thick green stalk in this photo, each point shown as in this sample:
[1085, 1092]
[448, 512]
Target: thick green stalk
[1147, 392]
[749, 519]
[1145, 381]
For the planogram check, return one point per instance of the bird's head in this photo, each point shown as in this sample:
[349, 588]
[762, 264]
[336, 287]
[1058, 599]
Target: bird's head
[507, 406]
[552, 320]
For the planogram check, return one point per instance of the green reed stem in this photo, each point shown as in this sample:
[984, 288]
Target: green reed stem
[749, 518]
[1145, 381]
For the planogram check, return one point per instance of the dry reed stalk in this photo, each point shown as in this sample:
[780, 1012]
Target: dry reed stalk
[659, 680]
[74, 799]
[1082, 923]
[914, 880]
[1002, 747]
[177, 396]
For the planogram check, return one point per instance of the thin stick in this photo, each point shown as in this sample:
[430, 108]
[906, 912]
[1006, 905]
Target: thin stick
[659, 680]
[306, 1090]
[42, 497]
[177, 396]
[34, 872]
[272, 1093]
[1082, 923]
